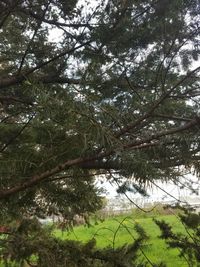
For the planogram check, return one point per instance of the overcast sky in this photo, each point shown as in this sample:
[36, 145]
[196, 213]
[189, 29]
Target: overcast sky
[164, 191]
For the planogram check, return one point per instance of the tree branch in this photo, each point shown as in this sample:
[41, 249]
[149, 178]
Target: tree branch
[186, 126]
[156, 105]
[171, 117]
[16, 79]
[16, 135]
[57, 23]
[81, 161]
[14, 99]
[32, 38]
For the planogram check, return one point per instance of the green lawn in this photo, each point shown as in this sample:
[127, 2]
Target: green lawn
[119, 231]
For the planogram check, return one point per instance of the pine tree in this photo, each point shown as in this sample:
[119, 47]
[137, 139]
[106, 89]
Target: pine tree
[106, 88]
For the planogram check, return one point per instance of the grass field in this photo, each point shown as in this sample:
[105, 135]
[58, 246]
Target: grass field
[118, 231]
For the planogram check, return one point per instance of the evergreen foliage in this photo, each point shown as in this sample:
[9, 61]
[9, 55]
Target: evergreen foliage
[105, 88]
[188, 243]
[38, 247]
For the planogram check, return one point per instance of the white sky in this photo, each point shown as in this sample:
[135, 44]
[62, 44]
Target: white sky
[155, 194]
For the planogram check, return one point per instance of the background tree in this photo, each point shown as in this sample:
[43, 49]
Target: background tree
[108, 88]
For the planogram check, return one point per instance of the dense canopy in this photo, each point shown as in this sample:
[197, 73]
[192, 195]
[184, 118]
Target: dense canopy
[90, 88]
